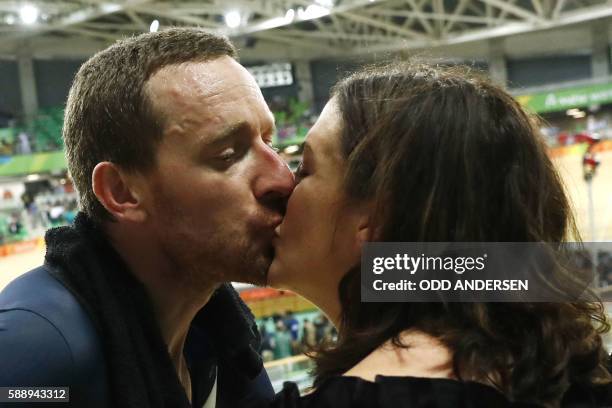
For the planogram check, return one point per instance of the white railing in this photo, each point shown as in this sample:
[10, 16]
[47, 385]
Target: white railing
[295, 369]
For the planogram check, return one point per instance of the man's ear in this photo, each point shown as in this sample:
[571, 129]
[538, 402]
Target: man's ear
[118, 192]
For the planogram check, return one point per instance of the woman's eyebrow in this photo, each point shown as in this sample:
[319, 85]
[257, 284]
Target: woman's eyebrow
[306, 148]
[273, 130]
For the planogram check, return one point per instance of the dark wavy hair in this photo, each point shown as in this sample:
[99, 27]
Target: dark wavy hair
[445, 155]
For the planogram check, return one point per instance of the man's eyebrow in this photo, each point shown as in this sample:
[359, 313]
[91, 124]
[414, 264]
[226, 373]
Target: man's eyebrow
[227, 133]
[232, 131]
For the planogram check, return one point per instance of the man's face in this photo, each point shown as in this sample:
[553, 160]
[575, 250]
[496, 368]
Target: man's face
[218, 189]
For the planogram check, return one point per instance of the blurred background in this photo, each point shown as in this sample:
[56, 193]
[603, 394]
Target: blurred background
[552, 55]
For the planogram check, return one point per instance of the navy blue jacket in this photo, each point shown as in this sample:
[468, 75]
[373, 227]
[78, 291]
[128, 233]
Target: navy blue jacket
[47, 339]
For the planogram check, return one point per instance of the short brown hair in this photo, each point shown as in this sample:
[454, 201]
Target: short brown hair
[109, 116]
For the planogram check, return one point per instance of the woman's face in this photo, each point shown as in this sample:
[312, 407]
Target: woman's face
[317, 242]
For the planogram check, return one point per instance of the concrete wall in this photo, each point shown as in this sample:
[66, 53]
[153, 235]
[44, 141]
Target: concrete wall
[53, 80]
[529, 72]
[10, 96]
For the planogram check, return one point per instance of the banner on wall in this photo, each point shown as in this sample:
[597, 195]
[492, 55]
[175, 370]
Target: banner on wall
[21, 165]
[567, 98]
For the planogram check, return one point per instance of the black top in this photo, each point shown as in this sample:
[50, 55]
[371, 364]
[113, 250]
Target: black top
[47, 339]
[404, 392]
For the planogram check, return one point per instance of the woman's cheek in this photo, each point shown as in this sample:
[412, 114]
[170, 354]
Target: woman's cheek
[297, 207]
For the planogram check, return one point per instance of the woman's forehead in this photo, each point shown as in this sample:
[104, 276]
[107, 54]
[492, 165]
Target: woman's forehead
[324, 137]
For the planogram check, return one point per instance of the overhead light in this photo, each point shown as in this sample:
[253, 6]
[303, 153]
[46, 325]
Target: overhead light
[290, 15]
[10, 19]
[28, 14]
[577, 112]
[291, 149]
[325, 3]
[233, 19]
[571, 112]
[313, 11]
[32, 177]
[579, 115]
[154, 26]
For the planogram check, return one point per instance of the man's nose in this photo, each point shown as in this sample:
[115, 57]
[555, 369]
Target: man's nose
[275, 181]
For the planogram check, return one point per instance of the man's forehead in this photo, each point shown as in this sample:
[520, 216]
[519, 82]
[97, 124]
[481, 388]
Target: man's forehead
[200, 78]
[204, 92]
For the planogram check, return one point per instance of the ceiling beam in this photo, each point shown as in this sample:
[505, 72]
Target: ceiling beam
[385, 26]
[72, 19]
[458, 12]
[93, 33]
[270, 36]
[192, 20]
[111, 26]
[557, 10]
[515, 10]
[455, 18]
[336, 22]
[539, 9]
[331, 36]
[438, 8]
[567, 18]
[281, 21]
[418, 9]
[136, 19]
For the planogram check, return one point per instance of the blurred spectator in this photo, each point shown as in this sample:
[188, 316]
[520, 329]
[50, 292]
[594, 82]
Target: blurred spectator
[6, 148]
[604, 267]
[322, 328]
[267, 352]
[70, 212]
[56, 213]
[282, 342]
[309, 335]
[278, 341]
[292, 324]
[24, 146]
[14, 226]
[607, 278]
[276, 317]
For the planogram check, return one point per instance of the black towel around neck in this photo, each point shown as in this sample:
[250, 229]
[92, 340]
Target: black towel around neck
[141, 373]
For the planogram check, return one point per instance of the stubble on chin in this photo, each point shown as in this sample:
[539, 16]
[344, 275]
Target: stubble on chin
[220, 258]
[250, 262]
[199, 269]
[254, 268]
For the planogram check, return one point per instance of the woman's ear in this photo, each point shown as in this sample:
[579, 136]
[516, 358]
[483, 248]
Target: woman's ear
[363, 234]
[364, 225]
[118, 192]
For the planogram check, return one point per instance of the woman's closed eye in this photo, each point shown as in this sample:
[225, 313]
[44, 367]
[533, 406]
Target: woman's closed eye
[271, 146]
[300, 172]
